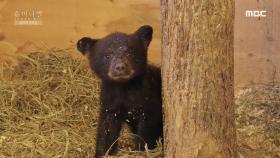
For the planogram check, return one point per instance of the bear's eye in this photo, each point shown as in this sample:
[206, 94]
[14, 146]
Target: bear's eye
[107, 57]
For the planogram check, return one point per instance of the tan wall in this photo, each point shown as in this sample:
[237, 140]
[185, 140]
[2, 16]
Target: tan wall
[257, 42]
[65, 21]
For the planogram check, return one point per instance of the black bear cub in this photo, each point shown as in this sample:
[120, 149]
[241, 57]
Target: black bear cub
[130, 88]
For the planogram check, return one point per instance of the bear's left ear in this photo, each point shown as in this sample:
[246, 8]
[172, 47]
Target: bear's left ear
[146, 34]
[85, 44]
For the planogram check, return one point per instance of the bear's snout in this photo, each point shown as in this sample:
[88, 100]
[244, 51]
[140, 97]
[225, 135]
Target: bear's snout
[120, 70]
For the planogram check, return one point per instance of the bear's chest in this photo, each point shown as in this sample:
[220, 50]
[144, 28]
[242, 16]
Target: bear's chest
[130, 102]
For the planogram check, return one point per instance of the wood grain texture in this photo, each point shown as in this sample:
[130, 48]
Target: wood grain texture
[197, 73]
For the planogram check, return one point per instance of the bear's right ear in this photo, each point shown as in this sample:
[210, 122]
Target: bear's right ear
[85, 44]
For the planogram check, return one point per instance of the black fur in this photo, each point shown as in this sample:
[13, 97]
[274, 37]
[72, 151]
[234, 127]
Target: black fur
[133, 95]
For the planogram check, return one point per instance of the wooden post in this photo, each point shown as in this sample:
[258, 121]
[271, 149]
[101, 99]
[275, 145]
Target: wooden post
[197, 74]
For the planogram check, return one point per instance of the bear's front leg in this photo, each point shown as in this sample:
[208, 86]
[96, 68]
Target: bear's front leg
[148, 132]
[108, 131]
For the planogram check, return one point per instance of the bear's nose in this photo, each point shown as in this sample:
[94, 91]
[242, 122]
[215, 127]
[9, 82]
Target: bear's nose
[120, 67]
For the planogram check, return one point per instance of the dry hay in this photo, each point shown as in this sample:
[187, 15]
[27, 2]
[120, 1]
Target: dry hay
[258, 121]
[49, 108]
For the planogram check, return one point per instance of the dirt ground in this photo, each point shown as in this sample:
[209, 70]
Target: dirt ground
[257, 41]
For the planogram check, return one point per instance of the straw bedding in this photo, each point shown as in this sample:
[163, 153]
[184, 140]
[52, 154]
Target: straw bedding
[49, 108]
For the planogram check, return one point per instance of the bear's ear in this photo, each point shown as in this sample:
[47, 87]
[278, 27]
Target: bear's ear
[146, 34]
[85, 44]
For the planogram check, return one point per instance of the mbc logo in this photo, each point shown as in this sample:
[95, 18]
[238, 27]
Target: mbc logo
[255, 13]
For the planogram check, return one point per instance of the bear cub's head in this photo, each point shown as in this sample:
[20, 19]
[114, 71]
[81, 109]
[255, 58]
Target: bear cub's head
[118, 57]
